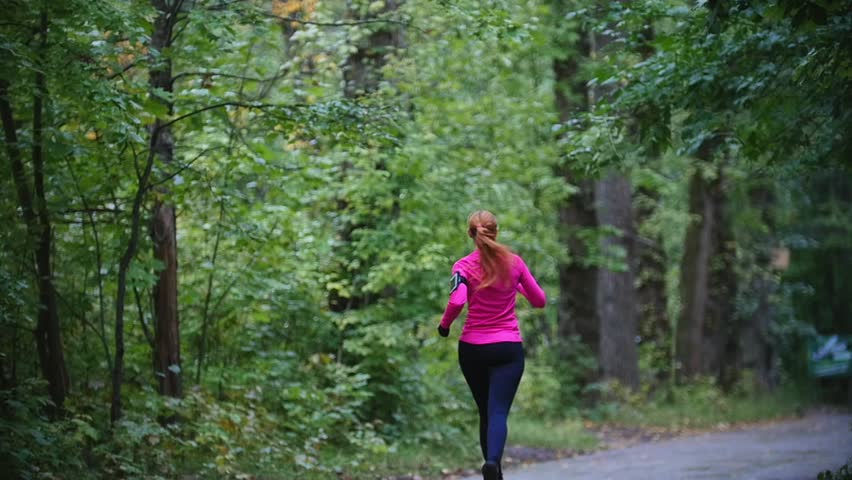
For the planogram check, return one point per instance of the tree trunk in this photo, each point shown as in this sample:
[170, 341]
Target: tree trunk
[205, 313]
[123, 267]
[757, 350]
[163, 222]
[694, 276]
[707, 332]
[723, 329]
[48, 320]
[48, 333]
[756, 344]
[653, 322]
[576, 305]
[615, 299]
[616, 296]
[575, 311]
[167, 331]
[166, 336]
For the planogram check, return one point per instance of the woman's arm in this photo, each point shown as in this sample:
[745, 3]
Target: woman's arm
[529, 288]
[520, 288]
[458, 297]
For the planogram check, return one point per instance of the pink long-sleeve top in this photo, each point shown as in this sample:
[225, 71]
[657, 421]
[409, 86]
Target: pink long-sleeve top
[491, 310]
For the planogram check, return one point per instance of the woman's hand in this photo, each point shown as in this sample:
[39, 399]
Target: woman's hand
[444, 332]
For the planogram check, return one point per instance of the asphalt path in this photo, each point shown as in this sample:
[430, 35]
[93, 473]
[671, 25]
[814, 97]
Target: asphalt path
[790, 450]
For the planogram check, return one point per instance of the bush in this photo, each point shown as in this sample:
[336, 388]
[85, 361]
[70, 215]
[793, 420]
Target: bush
[557, 377]
[698, 404]
[843, 473]
[31, 445]
[283, 415]
[540, 393]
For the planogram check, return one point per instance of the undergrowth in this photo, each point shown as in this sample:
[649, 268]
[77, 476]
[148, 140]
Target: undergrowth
[284, 435]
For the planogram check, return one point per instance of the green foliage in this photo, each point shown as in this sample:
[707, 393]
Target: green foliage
[564, 434]
[281, 412]
[552, 385]
[29, 440]
[700, 404]
[842, 473]
[296, 418]
[133, 449]
[13, 298]
[747, 70]
[287, 189]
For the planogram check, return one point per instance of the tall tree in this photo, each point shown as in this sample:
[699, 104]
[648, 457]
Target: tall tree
[706, 330]
[167, 362]
[576, 305]
[653, 321]
[616, 292]
[695, 266]
[142, 187]
[723, 323]
[615, 297]
[37, 216]
[597, 303]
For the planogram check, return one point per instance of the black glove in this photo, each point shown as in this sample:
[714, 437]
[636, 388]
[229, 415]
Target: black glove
[444, 332]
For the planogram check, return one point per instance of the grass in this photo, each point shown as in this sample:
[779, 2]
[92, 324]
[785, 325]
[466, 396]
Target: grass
[557, 434]
[701, 407]
[426, 462]
[695, 406]
[436, 461]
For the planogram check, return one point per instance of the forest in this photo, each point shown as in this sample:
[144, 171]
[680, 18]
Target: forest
[228, 225]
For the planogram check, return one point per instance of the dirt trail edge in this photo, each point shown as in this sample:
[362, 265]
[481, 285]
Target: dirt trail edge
[791, 450]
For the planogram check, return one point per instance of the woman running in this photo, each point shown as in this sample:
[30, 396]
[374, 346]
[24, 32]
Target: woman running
[491, 354]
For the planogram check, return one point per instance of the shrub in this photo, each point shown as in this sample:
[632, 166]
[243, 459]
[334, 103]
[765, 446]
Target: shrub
[31, 445]
[843, 473]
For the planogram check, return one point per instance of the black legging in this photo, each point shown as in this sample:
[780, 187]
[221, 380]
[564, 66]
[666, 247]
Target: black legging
[492, 371]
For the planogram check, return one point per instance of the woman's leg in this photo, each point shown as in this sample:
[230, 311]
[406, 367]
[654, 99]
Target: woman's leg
[503, 384]
[475, 371]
